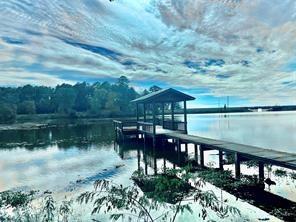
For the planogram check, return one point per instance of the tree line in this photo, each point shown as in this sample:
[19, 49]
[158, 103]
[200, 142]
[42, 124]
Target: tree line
[101, 99]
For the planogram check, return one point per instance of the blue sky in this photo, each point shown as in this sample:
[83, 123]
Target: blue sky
[212, 49]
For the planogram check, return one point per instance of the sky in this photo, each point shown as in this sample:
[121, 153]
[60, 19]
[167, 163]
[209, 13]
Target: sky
[243, 49]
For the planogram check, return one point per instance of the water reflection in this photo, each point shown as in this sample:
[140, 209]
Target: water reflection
[56, 157]
[82, 136]
[71, 157]
[274, 130]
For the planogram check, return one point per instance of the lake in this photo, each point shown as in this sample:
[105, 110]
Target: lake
[69, 158]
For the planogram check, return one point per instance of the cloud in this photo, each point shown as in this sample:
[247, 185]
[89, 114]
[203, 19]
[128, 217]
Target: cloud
[245, 49]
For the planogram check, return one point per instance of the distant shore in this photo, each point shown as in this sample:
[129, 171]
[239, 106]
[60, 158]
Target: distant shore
[39, 121]
[34, 122]
[241, 109]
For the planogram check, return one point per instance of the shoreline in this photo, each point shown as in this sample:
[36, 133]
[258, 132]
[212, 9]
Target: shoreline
[41, 121]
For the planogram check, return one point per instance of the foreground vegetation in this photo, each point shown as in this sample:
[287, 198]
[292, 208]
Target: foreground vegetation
[161, 197]
[171, 194]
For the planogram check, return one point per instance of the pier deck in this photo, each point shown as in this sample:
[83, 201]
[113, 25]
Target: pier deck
[287, 160]
[241, 152]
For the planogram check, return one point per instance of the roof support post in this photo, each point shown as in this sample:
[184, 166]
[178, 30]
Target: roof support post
[144, 112]
[137, 116]
[185, 116]
[173, 115]
[162, 113]
[154, 122]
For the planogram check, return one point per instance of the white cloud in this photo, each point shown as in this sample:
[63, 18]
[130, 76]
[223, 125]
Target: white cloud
[255, 39]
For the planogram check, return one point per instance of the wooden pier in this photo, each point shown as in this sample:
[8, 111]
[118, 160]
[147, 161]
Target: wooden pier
[161, 130]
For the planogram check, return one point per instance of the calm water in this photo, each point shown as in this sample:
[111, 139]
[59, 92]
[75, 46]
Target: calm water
[70, 159]
[274, 130]
[56, 157]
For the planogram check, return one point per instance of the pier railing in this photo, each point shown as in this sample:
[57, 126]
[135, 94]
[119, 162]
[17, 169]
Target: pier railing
[176, 125]
[124, 124]
[146, 127]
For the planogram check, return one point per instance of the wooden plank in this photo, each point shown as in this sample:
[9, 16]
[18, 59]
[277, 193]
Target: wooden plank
[272, 156]
[194, 139]
[250, 152]
[287, 158]
[292, 163]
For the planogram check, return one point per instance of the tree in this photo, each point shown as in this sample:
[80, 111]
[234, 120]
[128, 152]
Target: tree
[145, 92]
[81, 103]
[154, 88]
[27, 93]
[98, 98]
[7, 113]
[43, 101]
[64, 98]
[123, 81]
[26, 107]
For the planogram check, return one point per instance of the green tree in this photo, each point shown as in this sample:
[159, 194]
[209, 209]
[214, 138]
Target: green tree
[123, 81]
[154, 88]
[7, 113]
[145, 92]
[64, 98]
[43, 100]
[112, 103]
[27, 93]
[83, 91]
[98, 99]
[26, 107]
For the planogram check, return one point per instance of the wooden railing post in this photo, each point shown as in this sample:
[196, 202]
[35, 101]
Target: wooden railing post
[179, 151]
[154, 123]
[201, 156]
[137, 119]
[195, 153]
[237, 160]
[261, 171]
[144, 112]
[220, 160]
[162, 113]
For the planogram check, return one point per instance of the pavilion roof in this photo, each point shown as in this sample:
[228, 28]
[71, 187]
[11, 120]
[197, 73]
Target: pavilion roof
[163, 96]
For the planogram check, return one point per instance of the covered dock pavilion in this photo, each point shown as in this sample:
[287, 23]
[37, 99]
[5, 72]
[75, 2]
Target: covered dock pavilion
[156, 112]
